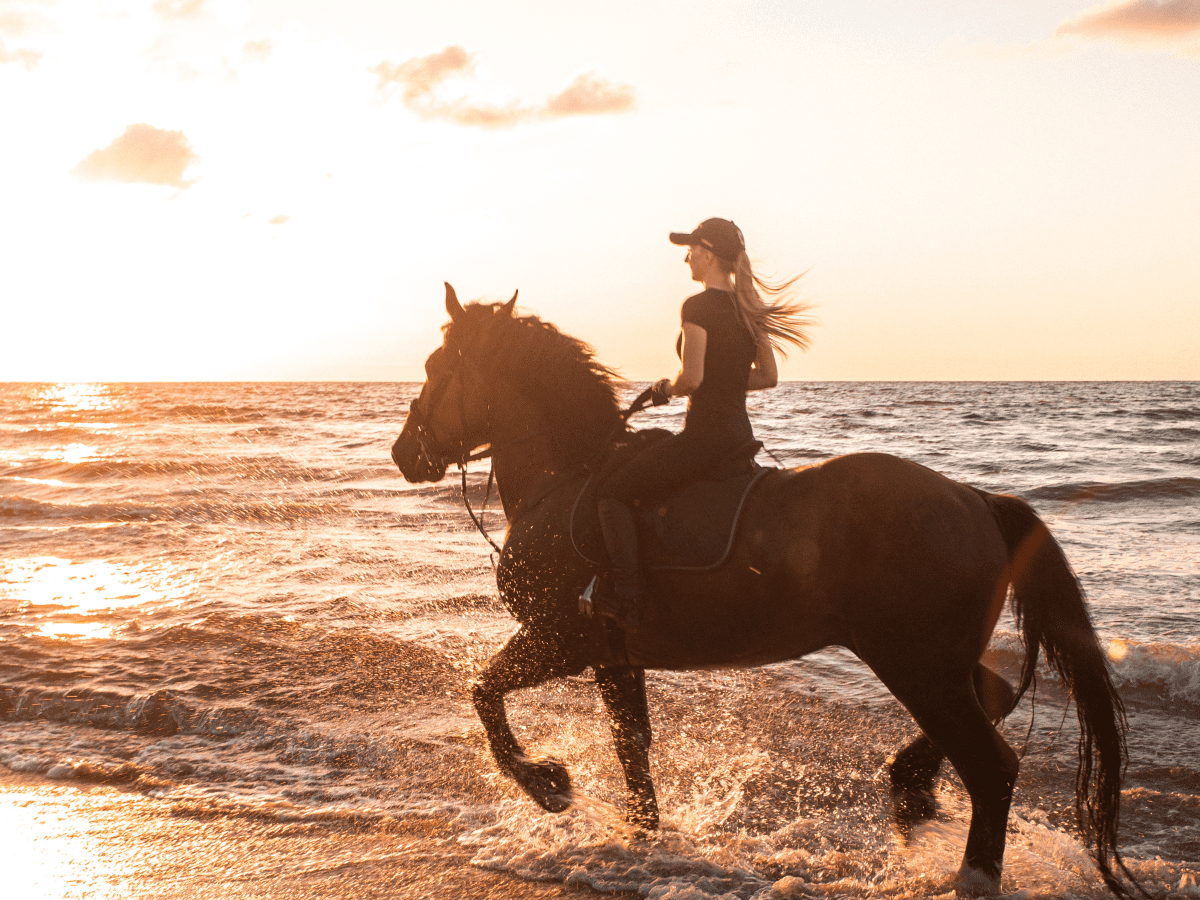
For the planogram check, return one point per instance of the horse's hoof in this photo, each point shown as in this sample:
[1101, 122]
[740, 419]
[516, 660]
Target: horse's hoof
[910, 809]
[548, 783]
[642, 816]
[973, 882]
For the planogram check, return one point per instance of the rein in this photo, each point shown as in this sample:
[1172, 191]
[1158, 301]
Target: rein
[636, 406]
[462, 467]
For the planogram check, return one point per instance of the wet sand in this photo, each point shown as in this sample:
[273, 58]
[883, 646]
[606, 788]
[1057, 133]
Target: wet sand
[63, 841]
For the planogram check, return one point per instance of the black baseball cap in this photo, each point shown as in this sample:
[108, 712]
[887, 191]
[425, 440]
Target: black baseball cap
[720, 236]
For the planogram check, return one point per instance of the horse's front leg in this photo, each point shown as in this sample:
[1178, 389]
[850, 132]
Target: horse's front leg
[624, 695]
[527, 660]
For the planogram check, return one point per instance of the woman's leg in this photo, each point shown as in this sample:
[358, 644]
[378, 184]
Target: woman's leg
[658, 471]
[621, 542]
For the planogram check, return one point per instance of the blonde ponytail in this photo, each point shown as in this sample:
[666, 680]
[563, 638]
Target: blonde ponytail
[781, 322]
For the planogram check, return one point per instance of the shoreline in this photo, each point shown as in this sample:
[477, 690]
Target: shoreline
[64, 840]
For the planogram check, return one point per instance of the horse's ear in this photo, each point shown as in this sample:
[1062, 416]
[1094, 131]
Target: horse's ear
[507, 309]
[452, 305]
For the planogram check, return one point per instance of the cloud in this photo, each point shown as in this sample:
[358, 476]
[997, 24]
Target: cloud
[142, 155]
[591, 94]
[421, 76]
[173, 10]
[21, 56]
[1158, 22]
[15, 22]
[420, 81]
[258, 50]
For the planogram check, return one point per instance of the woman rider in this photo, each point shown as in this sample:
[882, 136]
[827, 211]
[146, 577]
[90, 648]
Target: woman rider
[726, 348]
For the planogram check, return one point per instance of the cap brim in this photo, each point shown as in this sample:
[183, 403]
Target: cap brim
[684, 239]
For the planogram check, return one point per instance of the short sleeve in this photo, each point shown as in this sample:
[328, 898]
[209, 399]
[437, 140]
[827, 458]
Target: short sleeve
[695, 311]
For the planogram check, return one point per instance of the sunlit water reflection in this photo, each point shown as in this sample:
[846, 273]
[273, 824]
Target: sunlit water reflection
[224, 598]
[86, 599]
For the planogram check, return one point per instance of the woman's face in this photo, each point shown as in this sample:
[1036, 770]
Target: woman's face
[700, 260]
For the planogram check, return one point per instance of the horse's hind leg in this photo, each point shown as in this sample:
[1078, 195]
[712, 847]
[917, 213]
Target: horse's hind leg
[995, 694]
[624, 695]
[913, 770]
[527, 660]
[953, 719]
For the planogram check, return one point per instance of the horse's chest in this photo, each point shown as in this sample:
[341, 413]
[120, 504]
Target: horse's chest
[540, 571]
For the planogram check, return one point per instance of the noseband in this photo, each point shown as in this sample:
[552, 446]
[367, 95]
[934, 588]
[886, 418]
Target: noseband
[420, 421]
[431, 445]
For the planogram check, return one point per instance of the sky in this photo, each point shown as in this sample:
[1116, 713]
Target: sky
[206, 190]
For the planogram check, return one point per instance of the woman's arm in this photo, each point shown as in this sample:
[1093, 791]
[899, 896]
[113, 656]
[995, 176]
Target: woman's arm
[764, 373]
[691, 376]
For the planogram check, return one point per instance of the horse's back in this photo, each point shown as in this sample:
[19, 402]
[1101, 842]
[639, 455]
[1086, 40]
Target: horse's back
[906, 551]
[861, 550]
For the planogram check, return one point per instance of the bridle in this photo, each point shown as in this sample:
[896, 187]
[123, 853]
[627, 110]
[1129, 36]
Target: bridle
[419, 416]
[434, 449]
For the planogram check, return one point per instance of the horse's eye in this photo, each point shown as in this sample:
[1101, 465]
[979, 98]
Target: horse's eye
[431, 363]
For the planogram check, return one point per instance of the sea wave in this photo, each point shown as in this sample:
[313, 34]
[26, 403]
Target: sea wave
[1169, 670]
[209, 412]
[1161, 670]
[159, 712]
[25, 510]
[59, 433]
[1169, 414]
[1156, 489]
[271, 469]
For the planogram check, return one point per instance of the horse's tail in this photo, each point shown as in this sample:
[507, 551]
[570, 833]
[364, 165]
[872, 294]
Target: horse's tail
[1051, 612]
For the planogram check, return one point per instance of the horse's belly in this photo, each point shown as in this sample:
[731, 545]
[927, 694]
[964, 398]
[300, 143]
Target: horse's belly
[733, 616]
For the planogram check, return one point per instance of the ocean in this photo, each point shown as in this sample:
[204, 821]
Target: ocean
[223, 599]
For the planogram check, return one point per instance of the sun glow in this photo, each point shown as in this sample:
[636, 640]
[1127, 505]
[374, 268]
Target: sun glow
[44, 849]
[79, 397]
[72, 453]
[60, 598]
[226, 189]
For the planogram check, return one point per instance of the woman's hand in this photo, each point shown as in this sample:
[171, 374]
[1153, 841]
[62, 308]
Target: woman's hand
[660, 393]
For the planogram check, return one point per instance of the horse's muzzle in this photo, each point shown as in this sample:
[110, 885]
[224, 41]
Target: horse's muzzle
[414, 461]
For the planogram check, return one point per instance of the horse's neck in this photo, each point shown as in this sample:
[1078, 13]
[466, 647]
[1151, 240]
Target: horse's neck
[523, 456]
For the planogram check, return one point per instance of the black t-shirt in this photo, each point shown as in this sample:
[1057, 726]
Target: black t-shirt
[720, 401]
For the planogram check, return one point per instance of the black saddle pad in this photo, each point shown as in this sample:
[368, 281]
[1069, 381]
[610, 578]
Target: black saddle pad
[693, 530]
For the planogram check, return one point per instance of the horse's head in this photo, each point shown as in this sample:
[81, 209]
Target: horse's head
[450, 417]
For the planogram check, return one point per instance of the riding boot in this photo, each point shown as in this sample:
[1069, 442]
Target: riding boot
[621, 541]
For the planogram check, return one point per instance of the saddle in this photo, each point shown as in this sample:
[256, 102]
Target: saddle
[690, 531]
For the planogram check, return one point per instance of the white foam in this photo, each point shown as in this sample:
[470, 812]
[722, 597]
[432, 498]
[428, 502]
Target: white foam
[1172, 668]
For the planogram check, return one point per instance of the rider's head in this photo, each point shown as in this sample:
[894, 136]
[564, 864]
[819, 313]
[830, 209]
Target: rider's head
[718, 254]
[720, 237]
[716, 247]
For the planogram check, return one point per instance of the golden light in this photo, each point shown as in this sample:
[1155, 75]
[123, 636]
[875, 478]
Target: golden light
[65, 599]
[72, 453]
[1117, 650]
[49, 854]
[80, 397]
[49, 482]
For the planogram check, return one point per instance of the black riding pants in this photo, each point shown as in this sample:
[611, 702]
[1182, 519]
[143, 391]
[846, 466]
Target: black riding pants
[666, 466]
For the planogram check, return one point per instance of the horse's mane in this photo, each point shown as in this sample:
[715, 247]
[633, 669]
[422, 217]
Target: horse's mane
[575, 394]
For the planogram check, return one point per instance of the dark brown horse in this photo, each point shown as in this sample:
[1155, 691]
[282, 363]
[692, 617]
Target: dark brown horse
[904, 567]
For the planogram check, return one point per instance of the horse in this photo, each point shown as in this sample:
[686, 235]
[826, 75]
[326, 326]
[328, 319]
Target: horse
[906, 568]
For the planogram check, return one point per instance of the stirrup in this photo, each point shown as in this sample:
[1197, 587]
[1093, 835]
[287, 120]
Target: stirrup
[586, 605]
[627, 616]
